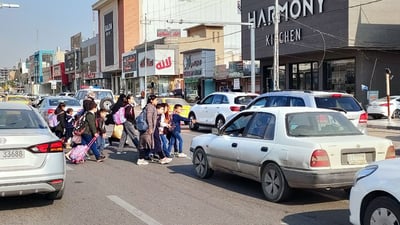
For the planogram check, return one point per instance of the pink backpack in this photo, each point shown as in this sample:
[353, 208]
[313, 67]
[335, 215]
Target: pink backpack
[119, 116]
[78, 153]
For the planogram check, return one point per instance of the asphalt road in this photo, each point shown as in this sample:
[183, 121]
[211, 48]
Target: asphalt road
[118, 191]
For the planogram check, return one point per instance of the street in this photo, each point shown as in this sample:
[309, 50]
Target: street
[118, 191]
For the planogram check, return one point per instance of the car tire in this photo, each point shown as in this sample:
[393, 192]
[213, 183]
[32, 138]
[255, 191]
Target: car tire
[219, 122]
[274, 184]
[55, 195]
[193, 126]
[396, 114]
[382, 210]
[200, 163]
[106, 103]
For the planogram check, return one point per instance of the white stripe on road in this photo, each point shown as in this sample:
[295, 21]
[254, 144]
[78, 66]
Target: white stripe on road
[134, 211]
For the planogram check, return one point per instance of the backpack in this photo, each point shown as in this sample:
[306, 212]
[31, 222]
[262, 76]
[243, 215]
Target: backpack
[78, 154]
[53, 121]
[141, 123]
[119, 116]
[80, 125]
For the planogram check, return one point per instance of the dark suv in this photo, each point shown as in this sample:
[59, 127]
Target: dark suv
[338, 101]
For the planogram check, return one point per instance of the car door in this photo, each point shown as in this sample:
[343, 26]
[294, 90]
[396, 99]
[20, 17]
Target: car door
[216, 108]
[202, 108]
[257, 142]
[224, 148]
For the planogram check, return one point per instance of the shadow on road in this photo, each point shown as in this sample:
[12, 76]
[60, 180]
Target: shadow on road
[20, 202]
[328, 217]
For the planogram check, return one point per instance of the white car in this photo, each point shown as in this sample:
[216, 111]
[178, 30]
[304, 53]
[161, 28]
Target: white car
[375, 195]
[31, 156]
[104, 98]
[379, 108]
[285, 148]
[214, 109]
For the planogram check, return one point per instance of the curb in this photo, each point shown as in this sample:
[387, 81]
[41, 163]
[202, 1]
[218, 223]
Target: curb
[389, 127]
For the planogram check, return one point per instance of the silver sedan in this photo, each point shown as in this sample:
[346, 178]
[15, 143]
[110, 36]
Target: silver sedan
[31, 156]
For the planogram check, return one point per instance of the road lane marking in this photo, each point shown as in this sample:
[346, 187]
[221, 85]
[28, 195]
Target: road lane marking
[134, 211]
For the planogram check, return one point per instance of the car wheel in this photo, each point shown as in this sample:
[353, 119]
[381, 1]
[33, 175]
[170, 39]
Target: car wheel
[201, 165]
[193, 126]
[55, 195]
[219, 122]
[274, 184]
[382, 210]
[106, 103]
[396, 114]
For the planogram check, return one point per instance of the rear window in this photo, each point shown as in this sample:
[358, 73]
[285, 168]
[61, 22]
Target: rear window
[68, 102]
[20, 119]
[244, 100]
[347, 103]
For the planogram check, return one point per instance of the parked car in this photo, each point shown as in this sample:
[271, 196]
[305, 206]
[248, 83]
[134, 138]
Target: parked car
[379, 108]
[104, 97]
[49, 104]
[173, 101]
[32, 157]
[288, 147]
[375, 195]
[215, 108]
[18, 99]
[338, 101]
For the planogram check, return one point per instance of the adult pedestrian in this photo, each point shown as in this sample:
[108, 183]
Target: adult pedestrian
[59, 130]
[146, 139]
[129, 125]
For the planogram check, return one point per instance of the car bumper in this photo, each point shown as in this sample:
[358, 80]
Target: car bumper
[320, 179]
[356, 197]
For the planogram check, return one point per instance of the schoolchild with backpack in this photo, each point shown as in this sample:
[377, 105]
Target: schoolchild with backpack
[61, 118]
[90, 131]
[129, 124]
[101, 129]
[146, 138]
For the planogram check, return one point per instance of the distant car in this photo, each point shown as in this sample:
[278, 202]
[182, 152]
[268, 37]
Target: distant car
[31, 156]
[49, 104]
[289, 147]
[215, 108]
[172, 101]
[104, 97]
[338, 101]
[379, 108]
[18, 99]
[375, 195]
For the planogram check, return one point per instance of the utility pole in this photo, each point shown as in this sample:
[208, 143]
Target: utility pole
[144, 100]
[276, 46]
[388, 77]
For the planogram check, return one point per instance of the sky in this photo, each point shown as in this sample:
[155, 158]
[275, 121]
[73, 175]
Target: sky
[42, 25]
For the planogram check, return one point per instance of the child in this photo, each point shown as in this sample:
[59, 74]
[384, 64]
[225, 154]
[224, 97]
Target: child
[69, 127]
[157, 139]
[101, 129]
[176, 132]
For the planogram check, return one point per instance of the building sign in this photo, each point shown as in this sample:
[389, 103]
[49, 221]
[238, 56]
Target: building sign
[168, 33]
[109, 39]
[159, 62]
[129, 65]
[199, 63]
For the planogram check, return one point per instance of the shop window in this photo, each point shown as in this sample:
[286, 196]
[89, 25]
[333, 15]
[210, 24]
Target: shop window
[340, 75]
[269, 78]
[304, 76]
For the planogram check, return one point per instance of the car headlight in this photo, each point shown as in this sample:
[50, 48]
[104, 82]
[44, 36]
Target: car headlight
[368, 170]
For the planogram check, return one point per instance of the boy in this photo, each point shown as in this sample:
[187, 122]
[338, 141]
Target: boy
[176, 132]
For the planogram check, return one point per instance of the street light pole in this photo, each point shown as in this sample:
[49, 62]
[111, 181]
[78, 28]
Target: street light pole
[388, 75]
[276, 46]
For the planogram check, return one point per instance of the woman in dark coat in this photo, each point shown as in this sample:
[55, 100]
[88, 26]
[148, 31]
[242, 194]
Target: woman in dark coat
[61, 118]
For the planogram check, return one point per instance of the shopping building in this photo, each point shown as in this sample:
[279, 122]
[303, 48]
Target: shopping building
[327, 45]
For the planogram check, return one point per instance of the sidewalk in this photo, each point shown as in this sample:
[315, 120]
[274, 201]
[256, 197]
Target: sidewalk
[394, 124]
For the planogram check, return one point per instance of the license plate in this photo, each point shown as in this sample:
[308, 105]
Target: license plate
[12, 154]
[356, 159]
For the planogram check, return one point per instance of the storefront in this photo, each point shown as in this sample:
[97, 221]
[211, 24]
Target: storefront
[326, 45]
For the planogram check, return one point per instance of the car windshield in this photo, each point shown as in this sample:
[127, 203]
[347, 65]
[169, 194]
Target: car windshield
[317, 124]
[20, 119]
[244, 100]
[68, 102]
[349, 104]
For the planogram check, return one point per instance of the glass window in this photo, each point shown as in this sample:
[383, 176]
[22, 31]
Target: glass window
[20, 119]
[218, 99]
[208, 100]
[237, 125]
[340, 75]
[261, 126]
[244, 100]
[304, 76]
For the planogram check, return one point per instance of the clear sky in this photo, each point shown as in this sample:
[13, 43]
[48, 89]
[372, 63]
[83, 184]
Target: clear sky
[44, 25]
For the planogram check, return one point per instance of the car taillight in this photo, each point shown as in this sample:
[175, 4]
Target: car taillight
[50, 111]
[319, 158]
[56, 146]
[385, 104]
[235, 108]
[363, 118]
[391, 153]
